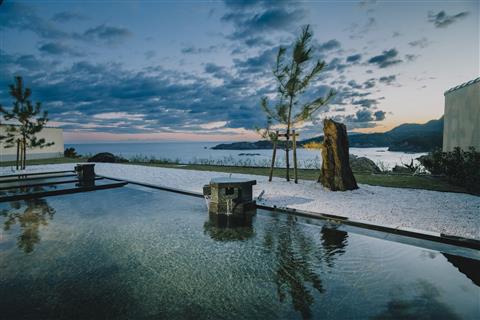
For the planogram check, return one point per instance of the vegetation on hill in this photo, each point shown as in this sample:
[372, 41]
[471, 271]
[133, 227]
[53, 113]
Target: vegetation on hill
[407, 137]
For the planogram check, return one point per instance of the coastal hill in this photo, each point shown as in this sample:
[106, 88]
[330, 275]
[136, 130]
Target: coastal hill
[407, 137]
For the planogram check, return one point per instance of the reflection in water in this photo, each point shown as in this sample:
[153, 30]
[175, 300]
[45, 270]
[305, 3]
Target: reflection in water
[298, 257]
[221, 227]
[30, 215]
[467, 266]
[425, 305]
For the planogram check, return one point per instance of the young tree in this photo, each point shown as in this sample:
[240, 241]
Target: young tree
[25, 121]
[292, 80]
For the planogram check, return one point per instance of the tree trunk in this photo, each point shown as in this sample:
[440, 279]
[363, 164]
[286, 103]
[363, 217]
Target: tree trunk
[336, 173]
[17, 163]
[287, 160]
[24, 162]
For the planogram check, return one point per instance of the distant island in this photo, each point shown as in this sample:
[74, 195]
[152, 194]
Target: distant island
[407, 137]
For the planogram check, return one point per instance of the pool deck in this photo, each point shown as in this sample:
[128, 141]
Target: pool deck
[437, 214]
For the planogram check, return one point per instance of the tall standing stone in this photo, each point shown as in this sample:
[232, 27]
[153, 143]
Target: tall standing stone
[336, 173]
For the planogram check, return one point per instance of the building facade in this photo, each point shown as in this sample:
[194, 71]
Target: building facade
[461, 126]
[54, 135]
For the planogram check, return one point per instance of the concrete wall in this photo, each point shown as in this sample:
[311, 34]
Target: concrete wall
[462, 117]
[49, 134]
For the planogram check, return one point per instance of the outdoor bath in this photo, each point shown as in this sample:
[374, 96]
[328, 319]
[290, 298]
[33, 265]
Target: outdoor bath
[139, 252]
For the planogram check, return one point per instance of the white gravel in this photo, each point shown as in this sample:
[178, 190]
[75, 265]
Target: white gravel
[444, 212]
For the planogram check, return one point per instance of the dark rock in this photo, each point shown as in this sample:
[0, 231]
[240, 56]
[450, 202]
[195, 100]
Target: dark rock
[107, 157]
[363, 164]
[401, 169]
[336, 172]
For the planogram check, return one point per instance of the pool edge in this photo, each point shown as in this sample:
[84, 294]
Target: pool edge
[419, 234]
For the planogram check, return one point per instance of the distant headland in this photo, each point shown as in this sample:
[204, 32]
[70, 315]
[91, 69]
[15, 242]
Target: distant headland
[407, 137]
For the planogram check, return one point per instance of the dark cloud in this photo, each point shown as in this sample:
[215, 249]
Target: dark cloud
[57, 48]
[195, 50]
[386, 59]
[379, 115]
[388, 80]
[151, 100]
[370, 83]
[354, 58]
[366, 103]
[217, 71]
[421, 43]
[354, 84]
[329, 45]
[66, 16]
[18, 16]
[443, 20]
[107, 34]
[274, 19]
[260, 63]
[364, 116]
[336, 64]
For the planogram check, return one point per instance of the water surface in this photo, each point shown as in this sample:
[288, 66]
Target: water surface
[134, 252]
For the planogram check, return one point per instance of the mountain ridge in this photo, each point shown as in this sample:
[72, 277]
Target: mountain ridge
[407, 137]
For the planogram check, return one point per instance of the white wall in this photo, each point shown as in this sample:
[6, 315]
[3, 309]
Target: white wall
[462, 117]
[49, 134]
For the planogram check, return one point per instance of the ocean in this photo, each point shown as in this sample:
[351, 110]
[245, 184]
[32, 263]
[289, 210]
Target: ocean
[201, 152]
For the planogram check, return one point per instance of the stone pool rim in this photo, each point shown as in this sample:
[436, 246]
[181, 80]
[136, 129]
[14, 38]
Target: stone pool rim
[418, 234]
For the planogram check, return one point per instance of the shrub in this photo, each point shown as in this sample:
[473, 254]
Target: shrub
[70, 153]
[461, 167]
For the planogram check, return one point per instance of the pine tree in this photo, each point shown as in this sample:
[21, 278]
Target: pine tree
[292, 81]
[24, 120]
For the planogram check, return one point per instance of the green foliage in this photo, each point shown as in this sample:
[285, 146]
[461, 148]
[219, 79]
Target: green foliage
[28, 117]
[25, 120]
[70, 153]
[461, 167]
[293, 79]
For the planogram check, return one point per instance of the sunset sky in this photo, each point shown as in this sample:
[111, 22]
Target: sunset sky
[196, 70]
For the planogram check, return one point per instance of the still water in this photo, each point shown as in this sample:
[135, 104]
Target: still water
[201, 152]
[138, 253]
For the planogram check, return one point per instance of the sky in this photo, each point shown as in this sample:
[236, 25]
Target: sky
[196, 70]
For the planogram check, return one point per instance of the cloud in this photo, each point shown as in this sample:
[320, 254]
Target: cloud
[274, 20]
[366, 103]
[257, 41]
[107, 34]
[370, 83]
[329, 45]
[421, 43]
[379, 115]
[365, 115]
[388, 80]
[263, 62]
[18, 16]
[217, 71]
[195, 50]
[66, 16]
[119, 116]
[354, 58]
[107, 98]
[443, 20]
[386, 59]
[57, 48]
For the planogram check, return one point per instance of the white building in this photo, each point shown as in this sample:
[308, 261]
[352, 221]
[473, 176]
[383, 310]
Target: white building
[49, 134]
[461, 126]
